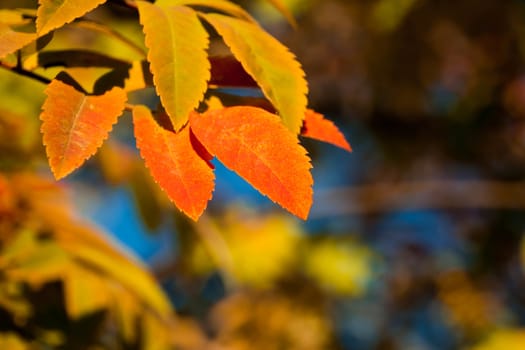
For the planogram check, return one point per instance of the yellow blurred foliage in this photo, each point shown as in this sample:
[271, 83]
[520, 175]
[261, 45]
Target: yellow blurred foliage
[387, 14]
[261, 320]
[42, 242]
[260, 249]
[503, 339]
[470, 308]
[342, 267]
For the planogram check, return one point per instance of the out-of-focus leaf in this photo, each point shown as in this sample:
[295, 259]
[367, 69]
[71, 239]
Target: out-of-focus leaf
[11, 40]
[94, 273]
[145, 191]
[279, 5]
[270, 63]
[111, 153]
[317, 127]
[174, 163]
[255, 144]
[54, 14]
[13, 17]
[388, 14]
[340, 267]
[12, 341]
[504, 339]
[177, 44]
[262, 249]
[80, 296]
[75, 125]
[267, 321]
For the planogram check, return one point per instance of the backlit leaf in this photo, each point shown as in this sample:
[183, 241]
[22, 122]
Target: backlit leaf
[270, 63]
[54, 14]
[174, 163]
[177, 44]
[255, 144]
[10, 40]
[75, 125]
[317, 127]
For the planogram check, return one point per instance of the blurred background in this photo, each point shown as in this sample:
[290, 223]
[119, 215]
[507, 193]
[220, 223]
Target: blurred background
[415, 239]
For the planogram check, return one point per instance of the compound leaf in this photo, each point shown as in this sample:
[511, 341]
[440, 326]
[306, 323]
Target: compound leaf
[75, 125]
[175, 163]
[317, 127]
[270, 63]
[177, 44]
[54, 14]
[256, 145]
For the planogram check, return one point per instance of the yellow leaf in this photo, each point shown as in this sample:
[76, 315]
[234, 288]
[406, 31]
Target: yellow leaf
[504, 339]
[177, 44]
[85, 292]
[10, 40]
[54, 14]
[270, 63]
[340, 267]
[11, 341]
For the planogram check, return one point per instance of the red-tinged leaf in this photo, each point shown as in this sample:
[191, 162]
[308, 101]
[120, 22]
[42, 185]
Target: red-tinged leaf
[174, 163]
[317, 127]
[75, 125]
[10, 40]
[52, 14]
[177, 43]
[256, 145]
[227, 71]
[269, 62]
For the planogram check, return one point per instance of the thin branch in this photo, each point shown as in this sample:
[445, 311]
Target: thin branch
[21, 71]
[417, 195]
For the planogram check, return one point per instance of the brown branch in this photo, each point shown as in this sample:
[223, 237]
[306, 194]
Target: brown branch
[431, 194]
[21, 71]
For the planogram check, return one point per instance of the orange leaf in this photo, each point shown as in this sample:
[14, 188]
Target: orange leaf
[255, 144]
[317, 127]
[174, 163]
[75, 125]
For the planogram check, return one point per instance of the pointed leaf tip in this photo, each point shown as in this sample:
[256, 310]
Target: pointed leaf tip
[177, 43]
[75, 125]
[174, 163]
[318, 128]
[270, 63]
[256, 145]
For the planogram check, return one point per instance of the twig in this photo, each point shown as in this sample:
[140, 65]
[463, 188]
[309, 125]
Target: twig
[21, 71]
[416, 195]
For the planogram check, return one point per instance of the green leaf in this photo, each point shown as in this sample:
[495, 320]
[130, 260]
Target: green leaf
[270, 63]
[177, 43]
[54, 14]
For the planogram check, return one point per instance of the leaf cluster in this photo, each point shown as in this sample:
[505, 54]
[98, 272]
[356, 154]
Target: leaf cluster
[193, 121]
